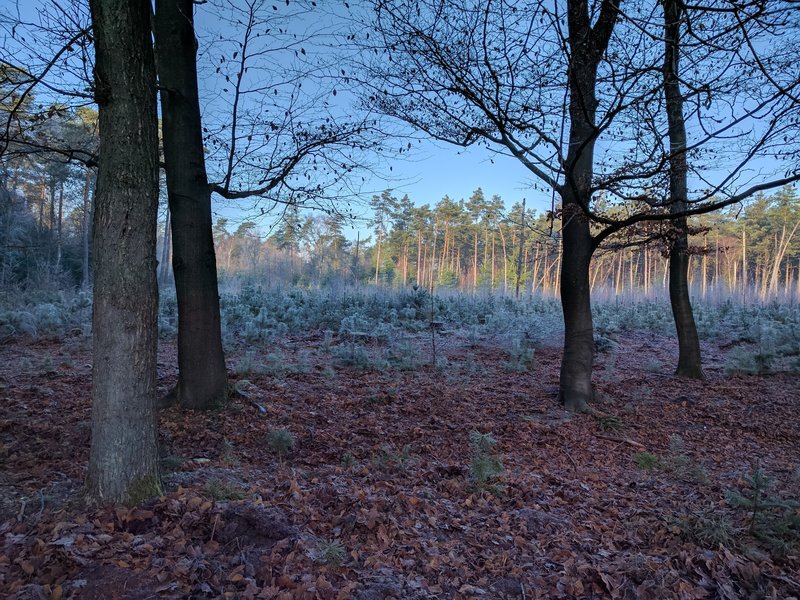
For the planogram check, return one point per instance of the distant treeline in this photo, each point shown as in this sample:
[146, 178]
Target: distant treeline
[473, 244]
[479, 244]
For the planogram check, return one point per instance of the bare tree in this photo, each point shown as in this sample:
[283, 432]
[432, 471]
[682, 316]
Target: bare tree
[266, 138]
[577, 97]
[491, 72]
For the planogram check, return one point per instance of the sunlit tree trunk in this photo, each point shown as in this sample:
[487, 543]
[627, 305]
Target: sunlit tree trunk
[519, 253]
[493, 259]
[704, 269]
[546, 272]
[505, 260]
[475, 262]
[744, 261]
[433, 257]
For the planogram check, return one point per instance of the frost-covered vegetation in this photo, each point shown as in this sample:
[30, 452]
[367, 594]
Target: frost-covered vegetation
[257, 314]
[757, 337]
[46, 315]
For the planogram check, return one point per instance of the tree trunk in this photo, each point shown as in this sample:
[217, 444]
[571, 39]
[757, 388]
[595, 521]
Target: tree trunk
[163, 274]
[519, 254]
[88, 193]
[576, 363]
[405, 261]
[744, 262]
[587, 44]
[378, 260]
[704, 268]
[689, 357]
[505, 259]
[420, 274]
[475, 263]
[546, 272]
[202, 376]
[42, 204]
[52, 212]
[433, 258]
[51, 223]
[797, 285]
[781, 247]
[59, 225]
[123, 461]
[493, 260]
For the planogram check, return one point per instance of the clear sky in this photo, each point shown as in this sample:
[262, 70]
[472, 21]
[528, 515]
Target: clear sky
[438, 169]
[434, 170]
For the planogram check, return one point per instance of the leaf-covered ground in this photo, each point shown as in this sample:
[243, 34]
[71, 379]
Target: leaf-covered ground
[377, 498]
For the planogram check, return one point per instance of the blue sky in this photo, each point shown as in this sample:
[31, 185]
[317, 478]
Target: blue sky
[430, 172]
[435, 170]
[427, 173]
[440, 169]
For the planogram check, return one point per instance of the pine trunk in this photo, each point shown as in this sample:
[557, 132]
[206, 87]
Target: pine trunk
[85, 228]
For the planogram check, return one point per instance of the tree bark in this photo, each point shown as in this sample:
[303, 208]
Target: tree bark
[123, 461]
[59, 225]
[576, 364]
[202, 375]
[378, 260]
[475, 261]
[505, 259]
[689, 357]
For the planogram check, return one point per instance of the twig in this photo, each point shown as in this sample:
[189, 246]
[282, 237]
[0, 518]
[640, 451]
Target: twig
[784, 579]
[567, 452]
[22, 510]
[41, 508]
[214, 528]
[620, 440]
[572, 460]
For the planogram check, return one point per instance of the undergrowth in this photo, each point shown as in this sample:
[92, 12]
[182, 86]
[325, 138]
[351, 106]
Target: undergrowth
[676, 462]
[486, 467]
[760, 337]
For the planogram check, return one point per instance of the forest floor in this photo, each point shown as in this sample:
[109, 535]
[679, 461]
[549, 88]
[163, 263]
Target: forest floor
[382, 494]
